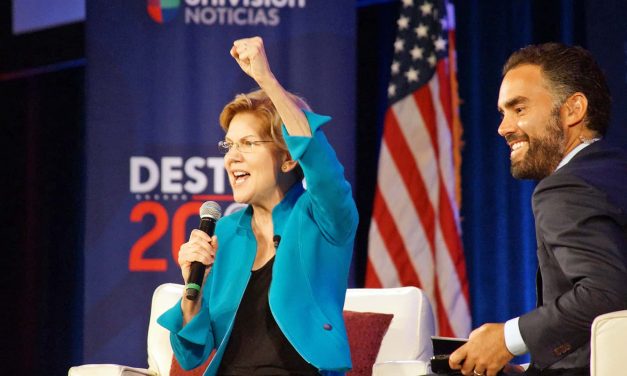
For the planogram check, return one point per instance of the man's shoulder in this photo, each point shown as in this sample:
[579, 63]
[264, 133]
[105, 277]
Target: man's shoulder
[599, 155]
[598, 161]
[598, 172]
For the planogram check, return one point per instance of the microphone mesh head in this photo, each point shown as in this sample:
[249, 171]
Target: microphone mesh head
[210, 209]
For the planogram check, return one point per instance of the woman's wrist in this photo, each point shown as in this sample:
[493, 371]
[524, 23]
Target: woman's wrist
[189, 309]
[268, 82]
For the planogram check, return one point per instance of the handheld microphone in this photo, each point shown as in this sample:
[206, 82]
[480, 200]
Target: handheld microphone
[210, 212]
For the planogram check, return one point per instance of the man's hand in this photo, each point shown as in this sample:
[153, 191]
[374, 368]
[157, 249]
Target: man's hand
[485, 353]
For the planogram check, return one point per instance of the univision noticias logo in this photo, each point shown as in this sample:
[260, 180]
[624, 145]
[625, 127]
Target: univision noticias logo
[223, 12]
[163, 10]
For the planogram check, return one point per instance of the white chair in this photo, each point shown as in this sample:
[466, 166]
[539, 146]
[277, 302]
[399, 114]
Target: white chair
[405, 348]
[159, 349]
[608, 344]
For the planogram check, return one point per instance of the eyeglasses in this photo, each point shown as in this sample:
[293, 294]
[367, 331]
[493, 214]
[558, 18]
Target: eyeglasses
[244, 146]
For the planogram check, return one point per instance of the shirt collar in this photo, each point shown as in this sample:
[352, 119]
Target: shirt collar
[574, 152]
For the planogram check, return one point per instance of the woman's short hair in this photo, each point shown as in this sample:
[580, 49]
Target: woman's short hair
[259, 104]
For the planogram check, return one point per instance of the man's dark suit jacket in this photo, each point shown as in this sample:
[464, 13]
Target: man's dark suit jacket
[581, 230]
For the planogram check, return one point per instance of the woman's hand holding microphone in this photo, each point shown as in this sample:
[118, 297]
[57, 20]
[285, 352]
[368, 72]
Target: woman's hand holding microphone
[201, 248]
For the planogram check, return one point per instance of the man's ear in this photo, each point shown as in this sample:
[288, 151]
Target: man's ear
[574, 109]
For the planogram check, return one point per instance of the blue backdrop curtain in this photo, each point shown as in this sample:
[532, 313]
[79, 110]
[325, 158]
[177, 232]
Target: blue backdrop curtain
[497, 219]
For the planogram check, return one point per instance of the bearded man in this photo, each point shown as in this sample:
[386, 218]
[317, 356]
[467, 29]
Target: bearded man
[555, 105]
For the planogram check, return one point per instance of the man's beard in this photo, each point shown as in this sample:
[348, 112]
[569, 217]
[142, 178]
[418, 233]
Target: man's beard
[543, 154]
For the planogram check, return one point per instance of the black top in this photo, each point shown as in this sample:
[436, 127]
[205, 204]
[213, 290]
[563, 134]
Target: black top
[257, 346]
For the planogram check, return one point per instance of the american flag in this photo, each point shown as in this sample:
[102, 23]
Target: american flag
[415, 232]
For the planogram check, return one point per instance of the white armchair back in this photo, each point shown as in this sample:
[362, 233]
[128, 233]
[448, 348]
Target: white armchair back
[608, 344]
[409, 334]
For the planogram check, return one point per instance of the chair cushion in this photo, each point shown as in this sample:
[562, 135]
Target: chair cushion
[176, 370]
[365, 332]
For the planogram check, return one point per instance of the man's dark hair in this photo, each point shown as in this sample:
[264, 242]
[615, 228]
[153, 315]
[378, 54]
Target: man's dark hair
[569, 70]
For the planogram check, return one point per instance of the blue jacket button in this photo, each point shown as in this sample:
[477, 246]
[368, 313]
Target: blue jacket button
[327, 326]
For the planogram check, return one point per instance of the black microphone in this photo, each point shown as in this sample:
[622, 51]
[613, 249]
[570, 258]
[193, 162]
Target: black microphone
[210, 212]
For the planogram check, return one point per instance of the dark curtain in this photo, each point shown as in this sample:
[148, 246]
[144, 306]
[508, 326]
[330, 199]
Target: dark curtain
[41, 215]
[41, 198]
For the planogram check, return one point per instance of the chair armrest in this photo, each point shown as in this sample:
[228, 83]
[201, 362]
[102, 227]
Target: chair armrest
[401, 368]
[109, 370]
[607, 344]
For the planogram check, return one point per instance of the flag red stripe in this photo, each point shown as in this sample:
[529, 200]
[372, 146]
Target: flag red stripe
[372, 280]
[444, 325]
[424, 100]
[410, 173]
[452, 239]
[394, 242]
